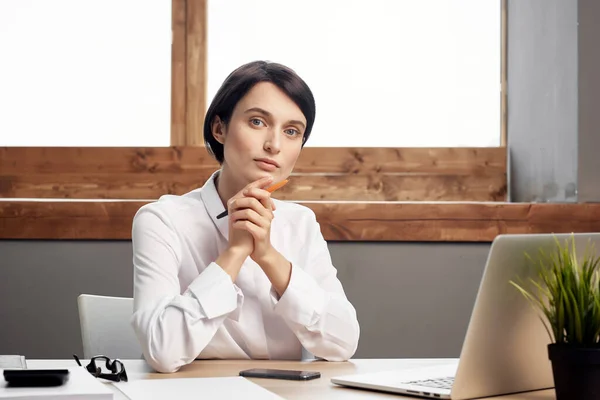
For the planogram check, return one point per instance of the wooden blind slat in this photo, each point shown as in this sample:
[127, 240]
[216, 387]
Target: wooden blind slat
[342, 221]
[365, 174]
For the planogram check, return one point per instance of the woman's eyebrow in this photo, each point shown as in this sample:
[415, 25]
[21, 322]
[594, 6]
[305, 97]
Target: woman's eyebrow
[294, 121]
[269, 115]
[259, 110]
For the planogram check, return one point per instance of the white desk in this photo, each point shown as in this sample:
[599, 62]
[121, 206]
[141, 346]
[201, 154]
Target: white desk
[315, 389]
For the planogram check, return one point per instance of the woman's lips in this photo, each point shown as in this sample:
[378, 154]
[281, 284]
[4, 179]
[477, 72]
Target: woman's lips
[265, 166]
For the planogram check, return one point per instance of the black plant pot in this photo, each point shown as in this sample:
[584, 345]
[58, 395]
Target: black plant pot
[576, 371]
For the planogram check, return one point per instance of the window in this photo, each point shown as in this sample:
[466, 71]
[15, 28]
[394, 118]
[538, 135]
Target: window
[402, 73]
[131, 176]
[85, 73]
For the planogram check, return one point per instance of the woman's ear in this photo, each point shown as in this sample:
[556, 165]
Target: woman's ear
[218, 130]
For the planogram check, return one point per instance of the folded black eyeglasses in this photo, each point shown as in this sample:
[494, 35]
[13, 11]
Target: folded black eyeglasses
[116, 368]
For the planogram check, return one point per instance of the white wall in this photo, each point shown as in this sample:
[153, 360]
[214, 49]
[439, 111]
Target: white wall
[383, 72]
[85, 72]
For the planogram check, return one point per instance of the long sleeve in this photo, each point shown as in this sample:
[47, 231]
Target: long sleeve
[314, 304]
[174, 327]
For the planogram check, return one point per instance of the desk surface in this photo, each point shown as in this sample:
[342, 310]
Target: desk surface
[314, 389]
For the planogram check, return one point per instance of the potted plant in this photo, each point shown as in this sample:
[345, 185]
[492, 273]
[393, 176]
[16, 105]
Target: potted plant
[567, 293]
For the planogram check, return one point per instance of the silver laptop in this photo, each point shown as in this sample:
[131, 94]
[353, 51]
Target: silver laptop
[505, 348]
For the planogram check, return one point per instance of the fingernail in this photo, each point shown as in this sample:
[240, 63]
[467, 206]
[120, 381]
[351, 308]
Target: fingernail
[245, 192]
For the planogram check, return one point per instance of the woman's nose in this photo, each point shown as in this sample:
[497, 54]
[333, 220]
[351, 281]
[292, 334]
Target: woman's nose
[272, 142]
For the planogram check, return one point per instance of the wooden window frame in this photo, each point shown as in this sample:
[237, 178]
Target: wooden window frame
[358, 194]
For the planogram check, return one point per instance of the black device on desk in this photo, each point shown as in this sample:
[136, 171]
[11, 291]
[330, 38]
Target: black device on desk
[36, 377]
[280, 374]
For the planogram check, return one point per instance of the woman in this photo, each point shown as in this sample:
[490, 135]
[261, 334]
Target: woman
[259, 283]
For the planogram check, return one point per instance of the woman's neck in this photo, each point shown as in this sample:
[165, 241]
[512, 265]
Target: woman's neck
[226, 185]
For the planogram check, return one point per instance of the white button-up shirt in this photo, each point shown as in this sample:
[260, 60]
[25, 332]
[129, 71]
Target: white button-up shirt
[187, 307]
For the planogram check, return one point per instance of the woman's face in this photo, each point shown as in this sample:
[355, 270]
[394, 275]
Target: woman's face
[264, 135]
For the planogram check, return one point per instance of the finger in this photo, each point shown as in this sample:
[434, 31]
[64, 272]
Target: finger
[250, 215]
[239, 195]
[262, 195]
[231, 203]
[256, 232]
[251, 203]
[260, 183]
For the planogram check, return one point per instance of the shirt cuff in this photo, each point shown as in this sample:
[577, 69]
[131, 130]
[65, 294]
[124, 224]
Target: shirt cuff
[216, 293]
[302, 302]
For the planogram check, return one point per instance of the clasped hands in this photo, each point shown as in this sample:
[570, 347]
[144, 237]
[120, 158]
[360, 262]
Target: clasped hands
[250, 215]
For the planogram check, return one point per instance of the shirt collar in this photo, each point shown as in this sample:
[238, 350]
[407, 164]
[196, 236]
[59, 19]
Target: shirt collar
[214, 206]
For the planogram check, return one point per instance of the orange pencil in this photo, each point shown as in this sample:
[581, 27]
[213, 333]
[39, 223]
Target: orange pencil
[276, 186]
[270, 189]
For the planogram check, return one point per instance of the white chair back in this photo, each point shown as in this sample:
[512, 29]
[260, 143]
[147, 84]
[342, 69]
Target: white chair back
[105, 327]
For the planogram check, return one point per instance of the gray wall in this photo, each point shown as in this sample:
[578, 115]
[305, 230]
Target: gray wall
[412, 299]
[399, 291]
[542, 100]
[39, 285]
[553, 87]
[589, 100]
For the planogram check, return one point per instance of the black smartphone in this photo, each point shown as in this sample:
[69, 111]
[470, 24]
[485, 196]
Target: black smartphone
[35, 377]
[280, 374]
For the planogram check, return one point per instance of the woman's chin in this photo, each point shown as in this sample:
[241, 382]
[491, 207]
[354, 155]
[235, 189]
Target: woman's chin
[252, 175]
[260, 175]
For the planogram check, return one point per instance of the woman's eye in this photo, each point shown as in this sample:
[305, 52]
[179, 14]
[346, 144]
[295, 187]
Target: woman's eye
[292, 132]
[256, 121]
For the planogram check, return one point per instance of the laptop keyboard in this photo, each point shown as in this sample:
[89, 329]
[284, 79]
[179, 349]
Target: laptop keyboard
[439, 383]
